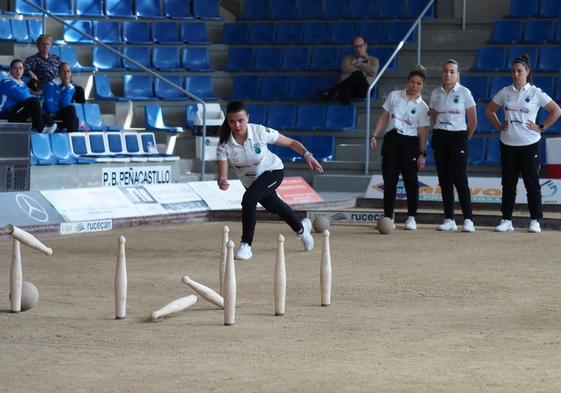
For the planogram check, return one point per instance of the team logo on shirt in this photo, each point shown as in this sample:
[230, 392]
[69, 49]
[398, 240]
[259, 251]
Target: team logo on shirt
[257, 148]
[527, 99]
[456, 99]
[413, 111]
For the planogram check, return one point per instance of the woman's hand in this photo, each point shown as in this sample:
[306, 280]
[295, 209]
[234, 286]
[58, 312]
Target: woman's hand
[223, 184]
[533, 126]
[421, 161]
[313, 163]
[373, 142]
[504, 126]
[32, 75]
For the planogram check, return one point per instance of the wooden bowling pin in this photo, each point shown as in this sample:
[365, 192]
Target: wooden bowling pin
[16, 278]
[230, 287]
[223, 256]
[174, 306]
[27, 238]
[325, 271]
[280, 278]
[121, 281]
[204, 291]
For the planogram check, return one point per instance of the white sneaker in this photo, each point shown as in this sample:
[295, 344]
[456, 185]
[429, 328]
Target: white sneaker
[505, 226]
[306, 235]
[534, 226]
[49, 129]
[468, 226]
[410, 224]
[244, 252]
[447, 225]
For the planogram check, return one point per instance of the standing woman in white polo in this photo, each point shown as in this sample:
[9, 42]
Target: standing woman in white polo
[404, 121]
[450, 104]
[244, 145]
[520, 141]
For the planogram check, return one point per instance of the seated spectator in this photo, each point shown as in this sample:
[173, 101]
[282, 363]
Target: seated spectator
[357, 73]
[43, 66]
[18, 105]
[57, 99]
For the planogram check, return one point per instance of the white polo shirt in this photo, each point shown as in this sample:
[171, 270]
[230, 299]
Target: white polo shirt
[450, 108]
[406, 115]
[253, 158]
[520, 106]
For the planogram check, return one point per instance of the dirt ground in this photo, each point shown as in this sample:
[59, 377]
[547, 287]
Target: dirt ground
[412, 312]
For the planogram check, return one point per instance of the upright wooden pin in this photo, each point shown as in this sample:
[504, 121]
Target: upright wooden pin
[205, 292]
[27, 238]
[121, 281]
[174, 306]
[280, 278]
[325, 271]
[16, 278]
[230, 287]
[223, 256]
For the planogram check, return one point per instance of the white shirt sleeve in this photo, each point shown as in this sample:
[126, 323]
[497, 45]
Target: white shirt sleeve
[267, 135]
[424, 118]
[221, 154]
[499, 98]
[387, 104]
[432, 99]
[470, 102]
[543, 98]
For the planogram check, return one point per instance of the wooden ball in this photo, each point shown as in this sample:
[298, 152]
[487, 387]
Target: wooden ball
[320, 224]
[385, 225]
[29, 295]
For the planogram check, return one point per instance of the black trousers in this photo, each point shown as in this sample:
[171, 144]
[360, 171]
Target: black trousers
[263, 190]
[451, 152]
[67, 116]
[355, 86]
[399, 155]
[30, 108]
[524, 160]
[79, 95]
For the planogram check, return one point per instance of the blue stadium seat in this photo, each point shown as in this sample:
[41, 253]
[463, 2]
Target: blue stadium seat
[557, 96]
[257, 10]
[281, 117]
[483, 123]
[397, 30]
[206, 9]
[391, 9]
[165, 33]
[490, 59]
[89, 8]
[115, 147]
[336, 9]
[383, 55]
[493, 154]
[321, 146]
[342, 33]
[324, 59]
[545, 83]
[340, 118]
[19, 31]
[310, 117]
[79, 145]
[315, 33]
[166, 92]
[21, 8]
[557, 33]
[6, 30]
[310, 9]
[195, 59]
[550, 8]
[136, 33]
[69, 55]
[415, 7]
[154, 119]
[288, 33]
[35, 28]
[148, 9]
[286, 153]
[363, 9]
[193, 33]
[506, 32]
[107, 32]
[138, 88]
[166, 58]
[301, 88]
[201, 86]
[79, 109]
[104, 59]
[93, 118]
[41, 149]
[257, 113]
[516, 51]
[295, 59]
[325, 82]
[550, 59]
[132, 147]
[478, 85]
[118, 8]
[62, 152]
[429, 160]
[261, 33]
[497, 83]
[148, 146]
[553, 129]
[284, 10]
[476, 151]
[235, 33]
[98, 149]
[141, 54]
[59, 7]
[373, 32]
[74, 37]
[538, 32]
[523, 8]
[178, 9]
[273, 88]
[267, 59]
[245, 88]
[240, 59]
[102, 89]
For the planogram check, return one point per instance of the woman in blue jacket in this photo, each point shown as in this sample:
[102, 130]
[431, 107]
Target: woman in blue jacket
[57, 99]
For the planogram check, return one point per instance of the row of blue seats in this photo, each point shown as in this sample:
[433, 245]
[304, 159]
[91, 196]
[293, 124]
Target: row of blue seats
[533, 31]
[297, 58]
[546, 59]
[315, 33]
[533, 8]
[193, 33]
[321, 146]
[333, 9]
[18, 30]
[150, 9]
[484, 88]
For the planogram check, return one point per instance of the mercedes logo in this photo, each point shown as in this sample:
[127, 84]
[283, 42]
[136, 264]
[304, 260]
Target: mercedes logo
[32, 208]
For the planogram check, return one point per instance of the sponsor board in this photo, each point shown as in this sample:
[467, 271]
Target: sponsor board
[69, 228]
[295, 190]
[348, 217]
[137, 175]
[23, 208]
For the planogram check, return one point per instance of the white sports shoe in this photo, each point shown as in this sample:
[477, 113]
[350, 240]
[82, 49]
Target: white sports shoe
[410, 224]
[244, 252]
[505, 226]
[306, 235]
[447, 225]
[49, 129]
[534, 226]
[468, 226]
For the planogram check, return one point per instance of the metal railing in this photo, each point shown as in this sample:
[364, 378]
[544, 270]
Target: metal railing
[416, 24]
[148, 70]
